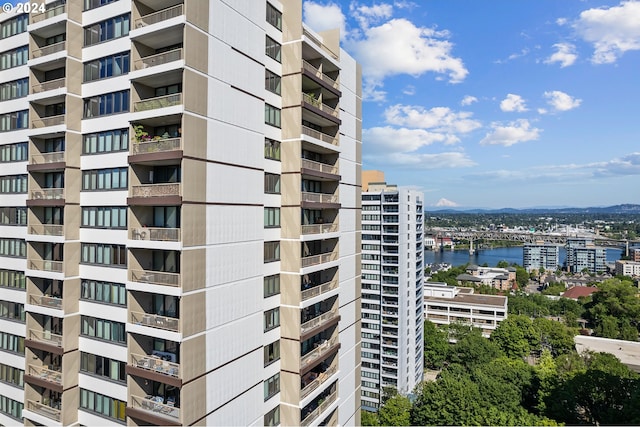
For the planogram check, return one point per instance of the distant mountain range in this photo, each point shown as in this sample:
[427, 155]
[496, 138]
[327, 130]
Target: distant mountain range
[617, 209]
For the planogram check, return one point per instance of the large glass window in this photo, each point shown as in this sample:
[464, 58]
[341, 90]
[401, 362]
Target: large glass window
[273, 48]
[13, 248]
[272, 418]
[103, 367]
[104, 217]
[271, 115]
[104, 179]
[109, 66]
[107, 330]
[14, 152]
[103, 405]
[271, 217]
[12, 310]
[15, 89]
[271, 149]
[14, 121]
[108, 103]
[271, 319]
[13, 184]
[11, 375]
[271, 183]
[14, 26]
[272, 82]
[103, 292]
[271, 352]
[109, 29]
[104, 254]
[274, 16]
[11, 343]
[271, 285]
[106, 142]
[92, 4]
[271, 386]
[12, 279]
[14, 58]
[11, 408]
[271, 251]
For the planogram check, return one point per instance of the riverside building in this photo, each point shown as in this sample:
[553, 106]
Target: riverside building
[537, 256]
[179, 216]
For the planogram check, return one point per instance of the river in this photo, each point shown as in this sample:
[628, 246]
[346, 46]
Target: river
[493, 256]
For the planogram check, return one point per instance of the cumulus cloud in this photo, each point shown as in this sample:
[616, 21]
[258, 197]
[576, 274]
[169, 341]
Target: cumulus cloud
[612, 31]
[438, 119]
[561, 21]
[513, 103]
[367, 15]
[561, 101]
[424, 161]
[386, 139]
[468, 100]
[625, 165]
[564, 54]
[323, 17]
[446, 203]
[513, 133]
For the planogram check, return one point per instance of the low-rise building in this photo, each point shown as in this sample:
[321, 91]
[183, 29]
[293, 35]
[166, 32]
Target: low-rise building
[627, 268]
[499, 278]
[445, 304]
[635, 254]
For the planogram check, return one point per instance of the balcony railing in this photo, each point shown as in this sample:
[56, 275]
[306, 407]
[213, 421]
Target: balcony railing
[162, 15]
[49, 85]
[155, 321]
[54, 11]
[45, 301]
[156, 364]
[40, 159]
[308, 99]
[321, 379]
[320, 409]
[155, 277]
[319, 135]
[48, 194]
[48, 50]
[317, 321]
[158, 102]
[156, 234]
[45, 374]
[307, 66]
[159, 146]
[46, 265]
[156, 190]
[45, 337]
[47, 230]
[320, 167]
[318, 352]
[159, 59]
[320, 197]
[44, 410]
[319, 259]
[48, 121]
[152, 405]
[319, 290]
[319, 228]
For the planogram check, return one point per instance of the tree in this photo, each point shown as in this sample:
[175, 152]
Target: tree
[395, 412]
[502, 264]
[516, 336]
[369, 418]
[555, 336]
[522, 277]
[472, 349]
[436, 346]
[613, 308]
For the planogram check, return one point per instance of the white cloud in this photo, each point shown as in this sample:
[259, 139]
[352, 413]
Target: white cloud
[561, 101]
[468, 100]
[612, 31]
[513, 133]
[388, 139]
[561, 21]
[564, 54]
[367, 15]
[321, 17]
[513, 103]
[438, 119]
[542, 111]
[446, 203]
[425, 161]
[409, 90]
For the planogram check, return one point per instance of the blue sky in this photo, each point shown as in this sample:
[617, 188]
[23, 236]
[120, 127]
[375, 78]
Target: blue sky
[498, 103]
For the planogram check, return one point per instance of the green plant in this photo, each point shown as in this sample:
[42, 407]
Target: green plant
[140, 134]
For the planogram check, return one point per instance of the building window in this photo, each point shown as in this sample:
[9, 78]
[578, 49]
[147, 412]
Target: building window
[272, 418]
[14, 121]
[271, 251]
[106, 142]
[271, 352]
[14, 152]
[11, 375]
[13, 248]
[271, 386]
[104, 217]
[107, 30]
[92, 4]
[271, 285]
[14, 58]
[104, 292]
[104, 179]
[109, 66]
[11, 343]
[271, 183]
[13, 216]
[106, 104]
[271, 319]
[11, 408]
[104, 254]
[271, 217]
[14, 90]
[274, 16]
[12, 279]
[103, 367]
[16, 25]
[271, 149]
[103, 405]
[271, 115]
[12, 311]
[272, 82]
[107, 330]
[273, 48]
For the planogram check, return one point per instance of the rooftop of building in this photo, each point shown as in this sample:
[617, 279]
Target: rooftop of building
[628, 352]
[579, 291]
[464, 295]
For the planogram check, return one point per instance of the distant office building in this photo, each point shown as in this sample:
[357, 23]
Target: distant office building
[583, 254]
[499, 278]
[392, 280]
[627, 268]
[445, 304]
[539, 255]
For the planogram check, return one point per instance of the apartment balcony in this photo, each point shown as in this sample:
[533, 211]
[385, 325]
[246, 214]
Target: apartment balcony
[310, 71]
[46, 197]
[156, 365]
[319, 290]
[48, 121]
[45, 265]
[312, 260]
[48, 50]
[159, 16]
[45, 337]
[329, 114]
[155, 277]
[320, 379]
[321, 408]
[323, 170]
[389, 332]
[319, 228]
[169, 414]
[156, 194]
[321, 351]
[48, 85]
[44, 374]
[44, 410]
[46, 230]
[320, 321]
[46, 301]
[333, 140]
[158, 102]
[158, 59]
[155, 321]
[329, 200]
[155, 234]
[48, 14]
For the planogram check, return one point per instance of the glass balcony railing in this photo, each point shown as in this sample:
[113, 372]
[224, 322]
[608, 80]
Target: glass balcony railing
[321, 379]
[49, 85]
[44, 410]
[158, 59]
[45, 301]
[46, 265]
[156, 146]
[319, 197]
[155, 277]
[320, 167]
[54, 11]
[48, 121]
[155, 234]
[45, 374]
[322, 348]
[319, 290]
[319, 259]
[161, 15]
[319, 135]
[156, 190]
[319, 320]
[48, 194]
[152, 404]
[155, 321]
[313, 415]
[319, 228]
[308, 99]
[156, 364]
[307, 66]
[48, 50]
[46, 230]
[41, 159]
[46, 337]
[158, 102]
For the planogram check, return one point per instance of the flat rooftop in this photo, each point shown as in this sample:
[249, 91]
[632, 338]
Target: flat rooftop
[496, 301]
[628, 352]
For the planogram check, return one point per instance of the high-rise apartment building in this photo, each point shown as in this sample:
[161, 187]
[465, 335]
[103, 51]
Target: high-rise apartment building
[583, 254]
[179, 216]
[392, 291]
[536, 256]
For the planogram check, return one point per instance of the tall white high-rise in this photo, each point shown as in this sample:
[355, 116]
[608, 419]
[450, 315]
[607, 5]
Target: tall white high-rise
[179, 216]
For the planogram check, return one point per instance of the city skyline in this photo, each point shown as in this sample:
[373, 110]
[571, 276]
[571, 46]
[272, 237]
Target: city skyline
[509, 104]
